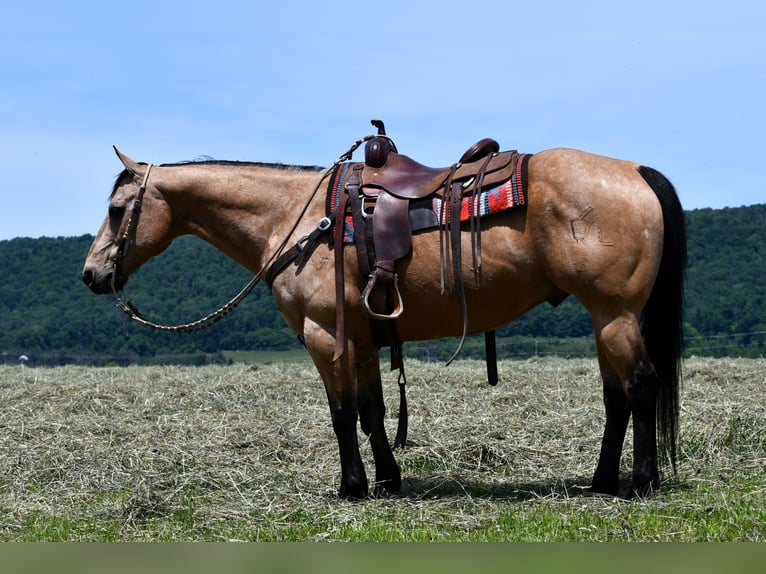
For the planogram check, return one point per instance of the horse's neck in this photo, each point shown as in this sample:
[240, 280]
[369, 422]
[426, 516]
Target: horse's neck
[244, 211]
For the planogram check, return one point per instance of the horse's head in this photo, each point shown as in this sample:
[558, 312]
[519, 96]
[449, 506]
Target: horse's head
[135, 229]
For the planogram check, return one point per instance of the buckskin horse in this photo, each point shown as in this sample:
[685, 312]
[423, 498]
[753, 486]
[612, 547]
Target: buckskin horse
[609, 232]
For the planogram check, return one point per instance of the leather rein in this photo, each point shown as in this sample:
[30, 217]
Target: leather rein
[131, 310]
[211, 319]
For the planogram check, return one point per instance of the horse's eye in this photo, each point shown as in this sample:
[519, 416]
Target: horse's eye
[116, 211]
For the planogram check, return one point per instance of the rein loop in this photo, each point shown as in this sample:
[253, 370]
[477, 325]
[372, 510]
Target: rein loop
[207, 321]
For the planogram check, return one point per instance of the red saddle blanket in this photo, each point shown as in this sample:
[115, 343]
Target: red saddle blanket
[427, 213]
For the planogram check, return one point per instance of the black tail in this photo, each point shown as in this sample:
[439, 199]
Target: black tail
[663, 315]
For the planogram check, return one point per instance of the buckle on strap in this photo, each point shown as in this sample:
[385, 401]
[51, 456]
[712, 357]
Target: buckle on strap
[324, 224]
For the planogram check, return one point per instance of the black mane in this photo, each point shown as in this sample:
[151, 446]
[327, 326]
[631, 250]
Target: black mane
[287, 167]
[208, 161]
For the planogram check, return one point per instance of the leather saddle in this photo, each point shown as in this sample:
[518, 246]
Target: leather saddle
[379, 192]
[401, 179]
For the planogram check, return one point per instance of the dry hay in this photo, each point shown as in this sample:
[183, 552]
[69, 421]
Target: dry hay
[254, 443]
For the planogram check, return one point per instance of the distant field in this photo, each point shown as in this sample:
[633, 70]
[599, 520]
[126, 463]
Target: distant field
[267, 357]
[247, 452]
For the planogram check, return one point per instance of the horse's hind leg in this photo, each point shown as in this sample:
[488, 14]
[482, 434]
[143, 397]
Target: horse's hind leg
[340, 384]
[371, 415]
[606, 477]
[630, 387]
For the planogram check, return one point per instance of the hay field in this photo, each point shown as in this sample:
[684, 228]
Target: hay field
[247, 452]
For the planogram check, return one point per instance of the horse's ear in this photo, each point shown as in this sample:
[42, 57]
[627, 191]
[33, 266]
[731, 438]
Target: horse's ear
[136, 169]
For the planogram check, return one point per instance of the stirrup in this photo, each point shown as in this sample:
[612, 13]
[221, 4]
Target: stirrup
[398, 308]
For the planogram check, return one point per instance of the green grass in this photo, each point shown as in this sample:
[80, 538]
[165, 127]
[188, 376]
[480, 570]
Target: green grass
[689, 511]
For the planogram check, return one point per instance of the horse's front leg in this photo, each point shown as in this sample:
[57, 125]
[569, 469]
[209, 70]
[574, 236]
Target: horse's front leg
[339, 379]
[371, 414]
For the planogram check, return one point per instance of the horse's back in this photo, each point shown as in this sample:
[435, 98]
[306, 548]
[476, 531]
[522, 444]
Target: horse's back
[579, 177]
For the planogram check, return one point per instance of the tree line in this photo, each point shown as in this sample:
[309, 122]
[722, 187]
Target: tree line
[47, 314]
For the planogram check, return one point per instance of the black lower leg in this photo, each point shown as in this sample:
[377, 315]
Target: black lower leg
[353, 483]
[643, 393]
[607, 475]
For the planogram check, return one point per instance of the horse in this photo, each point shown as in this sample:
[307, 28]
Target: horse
[609, 232]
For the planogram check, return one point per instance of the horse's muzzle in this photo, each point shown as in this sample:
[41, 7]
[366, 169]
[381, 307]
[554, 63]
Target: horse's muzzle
[102, 283]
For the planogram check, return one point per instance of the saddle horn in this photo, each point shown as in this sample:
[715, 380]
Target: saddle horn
[376, 150]
[381, 127]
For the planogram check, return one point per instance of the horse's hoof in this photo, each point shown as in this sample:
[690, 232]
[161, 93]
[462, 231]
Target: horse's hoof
[602, 488]
[388, 487]
[353, 494]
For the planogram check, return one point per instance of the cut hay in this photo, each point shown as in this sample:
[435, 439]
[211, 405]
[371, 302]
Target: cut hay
[194, 452]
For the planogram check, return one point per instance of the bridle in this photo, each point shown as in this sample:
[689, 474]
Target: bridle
[129, 237]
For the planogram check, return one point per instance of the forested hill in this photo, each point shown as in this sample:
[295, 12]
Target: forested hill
[47, 313]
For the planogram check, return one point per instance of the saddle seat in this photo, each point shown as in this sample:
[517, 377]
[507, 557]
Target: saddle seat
[405, 178]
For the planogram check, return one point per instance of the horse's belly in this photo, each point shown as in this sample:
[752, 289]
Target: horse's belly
[509, 283]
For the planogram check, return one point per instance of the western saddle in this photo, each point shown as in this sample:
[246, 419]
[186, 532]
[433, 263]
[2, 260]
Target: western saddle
[379, 194]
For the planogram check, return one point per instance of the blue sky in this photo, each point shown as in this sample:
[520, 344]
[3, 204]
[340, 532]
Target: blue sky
[679, 86]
